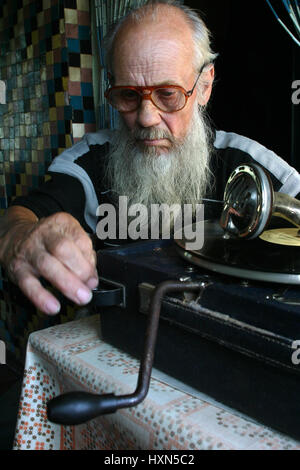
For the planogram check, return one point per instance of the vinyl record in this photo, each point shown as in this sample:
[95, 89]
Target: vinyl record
[249, 259]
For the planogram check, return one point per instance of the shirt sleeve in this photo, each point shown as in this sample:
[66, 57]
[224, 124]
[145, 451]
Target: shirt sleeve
[62, 193]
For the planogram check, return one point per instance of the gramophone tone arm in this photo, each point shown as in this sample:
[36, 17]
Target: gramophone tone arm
[287, 208]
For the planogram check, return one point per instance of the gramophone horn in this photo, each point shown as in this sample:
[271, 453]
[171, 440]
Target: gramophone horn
[250, 202]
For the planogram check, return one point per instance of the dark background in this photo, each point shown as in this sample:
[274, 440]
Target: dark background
[257, 63]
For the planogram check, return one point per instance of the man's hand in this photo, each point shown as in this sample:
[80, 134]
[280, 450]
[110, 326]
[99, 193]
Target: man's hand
[55, 248]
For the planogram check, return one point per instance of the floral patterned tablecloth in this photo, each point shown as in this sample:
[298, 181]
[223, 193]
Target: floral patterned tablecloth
[73, 357]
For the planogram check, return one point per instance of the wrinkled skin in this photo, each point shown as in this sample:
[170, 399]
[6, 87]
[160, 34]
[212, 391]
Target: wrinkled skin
[55, 248]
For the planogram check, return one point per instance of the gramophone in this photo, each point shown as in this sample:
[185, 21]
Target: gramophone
[249, 206]
[238, 249]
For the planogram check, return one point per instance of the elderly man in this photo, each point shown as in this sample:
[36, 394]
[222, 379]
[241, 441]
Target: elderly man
[161, 69]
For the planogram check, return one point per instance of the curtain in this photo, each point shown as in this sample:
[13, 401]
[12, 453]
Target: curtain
[104, 13]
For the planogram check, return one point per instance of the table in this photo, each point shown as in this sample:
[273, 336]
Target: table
[72, 356]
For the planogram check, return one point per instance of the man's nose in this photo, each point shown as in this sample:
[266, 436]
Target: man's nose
[148, 114]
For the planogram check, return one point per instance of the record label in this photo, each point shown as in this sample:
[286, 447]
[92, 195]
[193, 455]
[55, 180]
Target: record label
[282, 236]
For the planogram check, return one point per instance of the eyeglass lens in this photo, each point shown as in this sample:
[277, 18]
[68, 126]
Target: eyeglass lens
[166, 99]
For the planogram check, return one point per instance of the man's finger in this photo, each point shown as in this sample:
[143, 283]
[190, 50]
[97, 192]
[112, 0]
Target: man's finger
[37, 294]
[63, 279]
[70, 255]
[85, 244]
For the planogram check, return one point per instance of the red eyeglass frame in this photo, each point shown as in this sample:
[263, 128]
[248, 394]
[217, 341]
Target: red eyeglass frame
[150, 89]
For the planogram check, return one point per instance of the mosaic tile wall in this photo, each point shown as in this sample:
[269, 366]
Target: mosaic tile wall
[46, 63]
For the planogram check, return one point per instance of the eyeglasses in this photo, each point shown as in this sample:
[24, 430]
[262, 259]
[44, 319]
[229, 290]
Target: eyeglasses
[167, 98]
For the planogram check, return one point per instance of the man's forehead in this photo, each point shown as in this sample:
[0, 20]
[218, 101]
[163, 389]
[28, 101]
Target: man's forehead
[153, 50]
[159, 69]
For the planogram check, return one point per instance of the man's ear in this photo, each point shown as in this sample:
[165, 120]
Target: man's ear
[206, 83]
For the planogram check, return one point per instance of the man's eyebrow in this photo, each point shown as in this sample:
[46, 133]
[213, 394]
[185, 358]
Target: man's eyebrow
[168, 82]
[163, 83]
[157, 84]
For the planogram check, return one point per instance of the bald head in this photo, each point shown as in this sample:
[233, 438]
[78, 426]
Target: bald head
[149, 47]
[152, 25]
[169, 17]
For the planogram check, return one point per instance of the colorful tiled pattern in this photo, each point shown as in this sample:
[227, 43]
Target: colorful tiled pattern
[45, 62]
[80, 89]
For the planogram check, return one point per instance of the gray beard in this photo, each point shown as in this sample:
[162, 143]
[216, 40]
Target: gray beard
[169, 180]
[180, 176]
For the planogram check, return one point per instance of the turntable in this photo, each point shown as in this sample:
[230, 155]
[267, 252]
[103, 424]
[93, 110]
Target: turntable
[223, 319]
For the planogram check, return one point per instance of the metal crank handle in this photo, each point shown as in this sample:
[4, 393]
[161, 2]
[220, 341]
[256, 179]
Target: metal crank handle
[78, 407]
